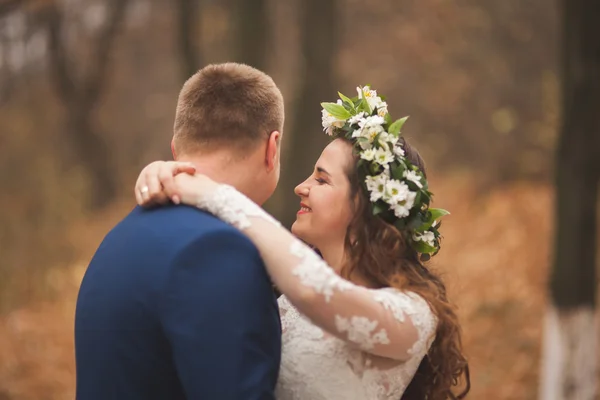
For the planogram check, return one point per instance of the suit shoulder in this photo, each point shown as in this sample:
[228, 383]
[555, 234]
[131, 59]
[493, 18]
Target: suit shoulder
[221, 237]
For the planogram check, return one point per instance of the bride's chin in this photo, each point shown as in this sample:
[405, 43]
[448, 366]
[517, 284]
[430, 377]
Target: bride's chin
[300, 234]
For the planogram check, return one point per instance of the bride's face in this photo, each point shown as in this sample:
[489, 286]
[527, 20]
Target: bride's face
[325, 206]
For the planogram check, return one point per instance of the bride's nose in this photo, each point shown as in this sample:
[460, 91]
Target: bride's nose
[301, 190]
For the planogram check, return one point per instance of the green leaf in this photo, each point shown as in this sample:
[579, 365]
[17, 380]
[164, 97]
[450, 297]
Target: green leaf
[395, 128]
[437, 213]
[414, 221]
[418, 197]
[378, 208]
[366, 105]
[398, 171]
[413, 186]
[387, 119]
[346, 100]
[400, 224]
[336, 110]
[423, 247]
[433, 215]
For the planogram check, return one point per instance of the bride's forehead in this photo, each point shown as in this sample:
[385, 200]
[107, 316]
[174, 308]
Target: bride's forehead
[337, 153]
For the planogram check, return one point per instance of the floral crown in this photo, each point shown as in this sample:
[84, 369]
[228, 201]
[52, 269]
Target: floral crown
[398, 189]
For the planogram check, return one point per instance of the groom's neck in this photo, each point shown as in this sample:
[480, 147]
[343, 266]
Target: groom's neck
[226, 168]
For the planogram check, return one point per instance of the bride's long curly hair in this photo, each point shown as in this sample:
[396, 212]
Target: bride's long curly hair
[380, 253]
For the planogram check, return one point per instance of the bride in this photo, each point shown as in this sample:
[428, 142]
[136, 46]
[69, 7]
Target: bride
[364, 318]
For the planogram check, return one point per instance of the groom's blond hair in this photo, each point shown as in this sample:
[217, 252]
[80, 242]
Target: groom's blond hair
[227, 105]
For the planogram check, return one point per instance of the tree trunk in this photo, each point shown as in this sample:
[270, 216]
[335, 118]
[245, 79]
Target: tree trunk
[570, 354]
[189, 32]
[93, 153]
[81, 96]
[251, 20]
[317, 84]
[571, 329]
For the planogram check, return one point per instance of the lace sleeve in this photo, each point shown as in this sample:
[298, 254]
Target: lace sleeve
[384, 322]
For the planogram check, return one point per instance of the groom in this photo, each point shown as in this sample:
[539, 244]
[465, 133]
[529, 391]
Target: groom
[176, 304]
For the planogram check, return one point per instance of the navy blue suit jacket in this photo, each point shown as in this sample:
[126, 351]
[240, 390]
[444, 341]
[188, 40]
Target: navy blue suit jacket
[176, 304]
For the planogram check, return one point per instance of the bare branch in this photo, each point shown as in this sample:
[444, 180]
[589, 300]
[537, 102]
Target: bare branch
[8, 6]
[61, 77]
[188, 30]
[252, 32]
[97, 76]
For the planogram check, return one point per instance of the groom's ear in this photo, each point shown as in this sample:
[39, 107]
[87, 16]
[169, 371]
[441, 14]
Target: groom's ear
[272, 153]
[173, 149]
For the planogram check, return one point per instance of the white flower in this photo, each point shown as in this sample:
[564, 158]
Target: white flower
[410, 199]
[386, 140]
[372, 121]
[373, 100]
[396, 191]
[357, 118]
[402, 208]
[426, 237]
[329, 121]
[399, 151]
[383, 156]
[400, 211]
[367, 90]
[372, 132]
[369, 133]
[382, 109]
[365, 144]
[376, 185]
[386, 170]
[368, 154]
[371, 182]
[413, 177]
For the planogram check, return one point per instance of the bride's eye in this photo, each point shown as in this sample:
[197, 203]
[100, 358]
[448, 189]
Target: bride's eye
[320, 180]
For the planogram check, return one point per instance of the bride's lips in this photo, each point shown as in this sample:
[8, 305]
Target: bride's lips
[304, 209]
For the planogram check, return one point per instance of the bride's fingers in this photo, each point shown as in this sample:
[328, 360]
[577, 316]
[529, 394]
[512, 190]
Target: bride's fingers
[152, 188]
[182, 167]
[141, 185]
[165, 178]
[156, 179]
[188, 187]
[142, 190]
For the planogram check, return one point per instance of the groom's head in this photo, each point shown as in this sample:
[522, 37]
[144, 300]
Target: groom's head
[233, 115]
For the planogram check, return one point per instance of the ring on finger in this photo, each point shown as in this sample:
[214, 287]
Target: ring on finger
[144, 190]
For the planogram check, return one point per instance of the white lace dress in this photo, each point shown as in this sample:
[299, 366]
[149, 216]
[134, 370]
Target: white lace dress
[340, 341]
[318, 366]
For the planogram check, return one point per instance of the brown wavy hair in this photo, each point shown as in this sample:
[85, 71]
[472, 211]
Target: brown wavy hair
[380, 253]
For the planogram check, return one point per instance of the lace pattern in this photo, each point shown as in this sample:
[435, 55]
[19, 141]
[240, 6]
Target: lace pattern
[318, 366]
[315, 273]
[361, 331]
[233, 207]
[403, 304]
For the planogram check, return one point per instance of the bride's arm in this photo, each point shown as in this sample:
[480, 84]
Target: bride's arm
[387, 323]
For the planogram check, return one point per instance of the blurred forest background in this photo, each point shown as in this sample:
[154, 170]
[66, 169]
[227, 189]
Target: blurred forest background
[87, 98]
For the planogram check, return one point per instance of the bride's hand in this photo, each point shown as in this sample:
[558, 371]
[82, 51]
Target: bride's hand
[188, 189]
[156, 181]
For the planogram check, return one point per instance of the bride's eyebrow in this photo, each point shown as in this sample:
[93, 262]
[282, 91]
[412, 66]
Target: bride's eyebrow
[323, 171]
